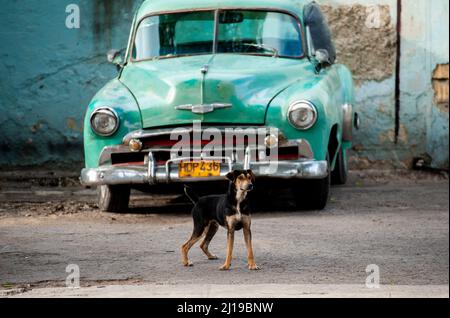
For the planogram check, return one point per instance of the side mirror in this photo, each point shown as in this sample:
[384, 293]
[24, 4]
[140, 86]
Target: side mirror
[115, 58]
[323, 59]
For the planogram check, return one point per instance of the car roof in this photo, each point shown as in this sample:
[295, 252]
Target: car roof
[156, 6]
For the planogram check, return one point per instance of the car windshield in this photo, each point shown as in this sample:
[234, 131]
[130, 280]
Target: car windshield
[239, 32]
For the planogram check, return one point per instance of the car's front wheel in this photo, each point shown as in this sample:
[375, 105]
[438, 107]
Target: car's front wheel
[340, 173]
[114, 199]
[313, 194]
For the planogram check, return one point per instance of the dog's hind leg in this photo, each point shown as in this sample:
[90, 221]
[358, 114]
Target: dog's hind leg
[187, 246]
[199, 229]
[211, 230]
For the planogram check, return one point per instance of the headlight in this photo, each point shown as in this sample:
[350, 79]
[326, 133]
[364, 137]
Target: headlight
[104, 122]
[302, 115]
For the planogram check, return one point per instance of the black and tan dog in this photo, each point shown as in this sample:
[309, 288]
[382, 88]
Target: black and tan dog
[230, 210]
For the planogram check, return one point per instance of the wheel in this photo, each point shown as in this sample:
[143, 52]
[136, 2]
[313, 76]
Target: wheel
[340, 173]
[113, 199]
[313, 194]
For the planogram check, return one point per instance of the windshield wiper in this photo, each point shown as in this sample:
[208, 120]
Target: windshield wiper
[264, 47]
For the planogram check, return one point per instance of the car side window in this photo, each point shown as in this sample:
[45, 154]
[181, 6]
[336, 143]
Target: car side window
[318, 30]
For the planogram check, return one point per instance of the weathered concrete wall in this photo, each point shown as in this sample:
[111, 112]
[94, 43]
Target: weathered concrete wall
[50, 72]
[366, 37]
[369, 52]
[435, 51]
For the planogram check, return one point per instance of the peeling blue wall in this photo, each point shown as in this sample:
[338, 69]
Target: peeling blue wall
[50, 73]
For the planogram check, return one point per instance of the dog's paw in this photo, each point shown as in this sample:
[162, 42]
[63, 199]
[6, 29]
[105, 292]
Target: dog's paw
[213, 258]
[225, 267]
[188, 264]
[253, 267]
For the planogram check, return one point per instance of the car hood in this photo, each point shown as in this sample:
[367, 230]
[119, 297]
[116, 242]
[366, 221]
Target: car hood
[246, 83]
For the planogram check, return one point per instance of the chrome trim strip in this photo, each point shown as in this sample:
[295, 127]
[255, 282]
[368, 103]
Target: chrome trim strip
[105, 156]
[204, 70]
[203, 108]
[110, 175]
[347, 122]
[149, 133]
[305, 150]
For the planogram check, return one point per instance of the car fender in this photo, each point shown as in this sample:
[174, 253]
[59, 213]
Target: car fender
[325, 91]
[116, 96]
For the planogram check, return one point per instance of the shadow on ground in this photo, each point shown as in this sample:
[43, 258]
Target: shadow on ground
[263, 202]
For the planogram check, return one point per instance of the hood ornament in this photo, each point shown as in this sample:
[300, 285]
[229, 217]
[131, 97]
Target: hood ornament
[203, 108]
[204, 69]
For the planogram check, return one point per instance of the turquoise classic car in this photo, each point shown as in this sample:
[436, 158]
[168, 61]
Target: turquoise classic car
[261, 71]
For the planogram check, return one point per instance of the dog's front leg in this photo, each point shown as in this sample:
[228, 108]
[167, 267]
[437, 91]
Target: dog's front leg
[230, 243]
[248, 242]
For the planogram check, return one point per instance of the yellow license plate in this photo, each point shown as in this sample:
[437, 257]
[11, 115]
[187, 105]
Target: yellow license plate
[199, 169]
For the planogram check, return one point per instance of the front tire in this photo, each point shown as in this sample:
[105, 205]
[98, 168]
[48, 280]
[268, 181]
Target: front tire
[313, 194]
[113, 199]
[339, 175]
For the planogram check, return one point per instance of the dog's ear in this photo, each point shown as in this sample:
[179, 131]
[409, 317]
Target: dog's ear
[231, 176]
[252, 175]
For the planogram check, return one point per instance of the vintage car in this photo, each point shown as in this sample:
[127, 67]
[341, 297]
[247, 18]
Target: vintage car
[232, 65]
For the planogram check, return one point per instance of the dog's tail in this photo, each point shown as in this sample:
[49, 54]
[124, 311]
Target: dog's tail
[191, 194]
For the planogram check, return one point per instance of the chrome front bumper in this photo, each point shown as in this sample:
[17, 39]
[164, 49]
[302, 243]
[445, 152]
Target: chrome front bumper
[168, 173]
